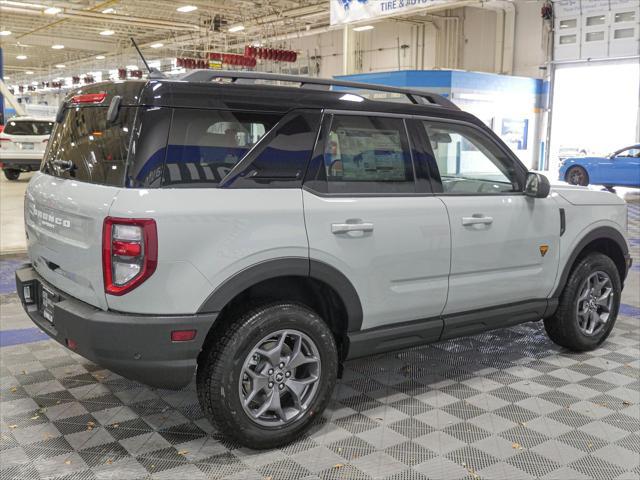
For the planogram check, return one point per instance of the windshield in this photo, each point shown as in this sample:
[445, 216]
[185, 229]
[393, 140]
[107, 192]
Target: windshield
[28, 127]
[97, 149]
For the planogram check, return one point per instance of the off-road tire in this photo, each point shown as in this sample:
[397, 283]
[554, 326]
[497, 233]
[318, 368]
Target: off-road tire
[11, 173]
[220, 366]
[563, 327]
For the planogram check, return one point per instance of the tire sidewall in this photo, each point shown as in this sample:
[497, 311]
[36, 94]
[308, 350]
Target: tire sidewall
[263, 322]
[589, 265]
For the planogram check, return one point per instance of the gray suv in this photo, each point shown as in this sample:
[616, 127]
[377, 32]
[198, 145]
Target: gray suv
[257, 236]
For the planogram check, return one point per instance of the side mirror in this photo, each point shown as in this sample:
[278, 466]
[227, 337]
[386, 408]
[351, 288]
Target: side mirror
[537, 185]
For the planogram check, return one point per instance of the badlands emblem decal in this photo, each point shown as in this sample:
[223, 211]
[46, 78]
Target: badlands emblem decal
[544, 249]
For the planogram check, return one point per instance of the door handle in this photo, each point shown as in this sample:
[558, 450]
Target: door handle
[477, 219]
[337, 228]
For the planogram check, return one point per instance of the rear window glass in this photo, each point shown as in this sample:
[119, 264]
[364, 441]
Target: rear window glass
[97, 150]
[204, 145]
[28, 127]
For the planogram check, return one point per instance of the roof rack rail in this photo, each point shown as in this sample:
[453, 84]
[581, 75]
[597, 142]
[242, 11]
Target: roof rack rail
[419, 97]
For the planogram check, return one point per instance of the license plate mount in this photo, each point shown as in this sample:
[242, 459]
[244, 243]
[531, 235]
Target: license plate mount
[47, 303]
[27, 146]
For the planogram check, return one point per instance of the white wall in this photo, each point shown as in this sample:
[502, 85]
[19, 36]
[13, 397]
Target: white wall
[476, 40]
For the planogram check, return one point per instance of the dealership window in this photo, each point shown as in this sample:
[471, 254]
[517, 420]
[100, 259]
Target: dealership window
[468, 163]
[204, 145]
[621, 17]
[367, 155]
[567, 39]
[594, 36]
[621, 33]
[595, 20]
[569, 23]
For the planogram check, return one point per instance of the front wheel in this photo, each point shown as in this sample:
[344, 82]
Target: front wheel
[269, 375]
[588, 305]
[577, 176]
[11, 173]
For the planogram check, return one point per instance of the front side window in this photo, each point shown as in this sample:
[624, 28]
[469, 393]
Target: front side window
[367, 155]
[633, 152]
[204, 145]
[468, 162]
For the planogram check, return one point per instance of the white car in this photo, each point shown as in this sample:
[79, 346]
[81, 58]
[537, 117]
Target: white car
[22, 144]
[259, 236]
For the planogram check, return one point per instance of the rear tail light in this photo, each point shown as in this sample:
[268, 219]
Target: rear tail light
[129, 253]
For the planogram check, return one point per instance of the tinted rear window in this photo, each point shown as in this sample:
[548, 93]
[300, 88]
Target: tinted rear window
[28, 127]
[97, 150]
[204, 145]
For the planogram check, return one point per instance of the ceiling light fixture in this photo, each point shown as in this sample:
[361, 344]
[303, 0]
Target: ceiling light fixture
[57, 47]
[187, 8]
[100, 57]
[5, 33]
[52, 10]
[60, 65]
[364, 28]
[132, 67]
[21, 57]
[157, 45]
[236, 28]
[106, 33]
[7, 78]
[109, 10]
[29, 72]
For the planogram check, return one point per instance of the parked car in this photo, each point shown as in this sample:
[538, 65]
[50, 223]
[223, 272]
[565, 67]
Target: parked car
[258, 236]
[565, 152]
[22, 144]
[620, 168]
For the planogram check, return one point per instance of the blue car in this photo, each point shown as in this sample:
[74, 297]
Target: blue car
[621, 168]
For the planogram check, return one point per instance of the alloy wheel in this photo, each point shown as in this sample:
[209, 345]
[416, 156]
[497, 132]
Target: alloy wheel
[594, 303]
[280, 378]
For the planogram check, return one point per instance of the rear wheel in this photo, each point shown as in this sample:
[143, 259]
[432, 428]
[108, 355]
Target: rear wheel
[11, 173]
[577, 176]
[588, 305]
[269, 375]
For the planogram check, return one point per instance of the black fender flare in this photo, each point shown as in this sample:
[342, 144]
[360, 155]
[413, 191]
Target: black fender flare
[286, 267]
[598, 233]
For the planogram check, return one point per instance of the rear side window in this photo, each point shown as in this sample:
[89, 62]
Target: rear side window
[28, 127]
[368, 155]
[281, 159]
[204, 145]
[97, 150]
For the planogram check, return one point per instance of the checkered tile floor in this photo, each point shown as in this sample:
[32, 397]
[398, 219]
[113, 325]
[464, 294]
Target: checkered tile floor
[507, 404]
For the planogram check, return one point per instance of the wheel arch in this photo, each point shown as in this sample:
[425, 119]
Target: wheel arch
[605, 240]
[578, 164]
[313, 283]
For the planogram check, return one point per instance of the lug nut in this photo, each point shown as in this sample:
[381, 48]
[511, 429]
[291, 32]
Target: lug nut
[281, 364]
[271, 371]
[281, 386]
[270, 384]
[288, 374]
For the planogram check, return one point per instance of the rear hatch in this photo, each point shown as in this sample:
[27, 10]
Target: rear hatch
[26, 136]
[82, 172]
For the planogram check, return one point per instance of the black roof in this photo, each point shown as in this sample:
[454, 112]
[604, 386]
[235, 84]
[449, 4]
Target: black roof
[254, 96]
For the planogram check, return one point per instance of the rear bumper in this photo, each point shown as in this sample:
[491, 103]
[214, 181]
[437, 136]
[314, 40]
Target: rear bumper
[21, 160]
[138, 347]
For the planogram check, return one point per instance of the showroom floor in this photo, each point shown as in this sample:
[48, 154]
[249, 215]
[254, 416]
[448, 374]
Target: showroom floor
[506, 404]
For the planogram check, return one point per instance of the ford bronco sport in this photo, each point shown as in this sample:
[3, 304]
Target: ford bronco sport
[259, 235]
